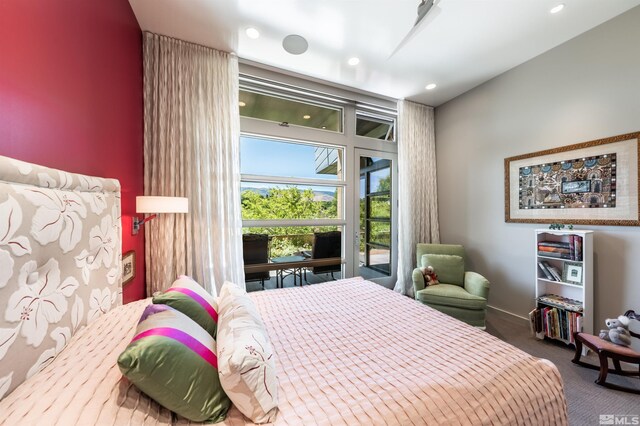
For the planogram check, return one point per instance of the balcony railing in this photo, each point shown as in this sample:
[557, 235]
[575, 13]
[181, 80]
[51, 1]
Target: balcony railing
[326, 161]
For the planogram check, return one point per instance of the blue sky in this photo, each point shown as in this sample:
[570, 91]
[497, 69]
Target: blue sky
[275, 158]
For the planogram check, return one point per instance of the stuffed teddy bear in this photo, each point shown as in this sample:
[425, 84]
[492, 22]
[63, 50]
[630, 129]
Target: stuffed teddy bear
[430, 276]
[618, 331]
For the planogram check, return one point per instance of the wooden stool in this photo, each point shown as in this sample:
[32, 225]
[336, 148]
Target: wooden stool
[605, 350]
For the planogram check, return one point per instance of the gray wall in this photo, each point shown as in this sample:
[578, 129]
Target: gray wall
[587, 88]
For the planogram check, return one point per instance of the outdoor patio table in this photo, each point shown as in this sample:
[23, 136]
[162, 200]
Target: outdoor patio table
[281, 273]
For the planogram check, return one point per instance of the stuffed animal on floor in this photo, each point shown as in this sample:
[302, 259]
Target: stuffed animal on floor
[430, 276]
[618, 331]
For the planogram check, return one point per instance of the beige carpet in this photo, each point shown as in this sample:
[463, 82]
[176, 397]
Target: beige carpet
[586, 400]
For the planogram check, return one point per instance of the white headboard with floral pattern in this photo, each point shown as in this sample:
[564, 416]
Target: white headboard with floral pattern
[60, 262]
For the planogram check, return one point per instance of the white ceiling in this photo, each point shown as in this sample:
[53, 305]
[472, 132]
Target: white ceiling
[462, 44]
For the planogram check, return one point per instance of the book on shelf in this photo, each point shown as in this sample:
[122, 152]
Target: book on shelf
[572, 246]
[554, 250]
[570, 250]
[554, 323]
[554, 244]
[578, 248]
[557, 275]
[561, 302]
[545, 271]
[550, 272]
[566, 256]
[536, 323]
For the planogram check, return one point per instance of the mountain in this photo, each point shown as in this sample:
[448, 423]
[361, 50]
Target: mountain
[317, 195]
[323, 196]
[261, 191]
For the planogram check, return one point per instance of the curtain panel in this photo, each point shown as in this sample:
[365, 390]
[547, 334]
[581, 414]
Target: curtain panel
[191, 149]
[417, 188]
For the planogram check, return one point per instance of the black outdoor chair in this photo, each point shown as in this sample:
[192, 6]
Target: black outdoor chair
[255, 250]
[326, 245]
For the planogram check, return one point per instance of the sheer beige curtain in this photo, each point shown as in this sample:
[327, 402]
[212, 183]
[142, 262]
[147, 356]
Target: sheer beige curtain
[191, 149]
[417, 193]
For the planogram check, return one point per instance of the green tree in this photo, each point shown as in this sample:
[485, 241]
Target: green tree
[384, 184]
[379, 208]
[287, 203]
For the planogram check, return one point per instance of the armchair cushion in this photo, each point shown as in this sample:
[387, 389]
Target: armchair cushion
[450, 268]
[451, 295]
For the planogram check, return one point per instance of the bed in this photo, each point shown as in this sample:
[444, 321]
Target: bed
[347, 352]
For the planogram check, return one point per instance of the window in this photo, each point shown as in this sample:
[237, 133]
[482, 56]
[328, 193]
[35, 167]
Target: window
[269, 201]
[290, 190]
[304, 160]
[290, 111]
[376, 127]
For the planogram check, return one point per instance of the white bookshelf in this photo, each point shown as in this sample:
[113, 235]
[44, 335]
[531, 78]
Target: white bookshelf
[579, 287]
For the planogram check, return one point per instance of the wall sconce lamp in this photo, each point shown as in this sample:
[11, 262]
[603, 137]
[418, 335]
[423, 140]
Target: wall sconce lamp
[155, 205]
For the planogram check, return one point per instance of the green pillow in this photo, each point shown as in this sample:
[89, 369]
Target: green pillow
[173, 360]
[191, 299]
[450, 268]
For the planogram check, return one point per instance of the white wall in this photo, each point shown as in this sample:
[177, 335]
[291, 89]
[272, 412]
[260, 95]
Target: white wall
[588, 88]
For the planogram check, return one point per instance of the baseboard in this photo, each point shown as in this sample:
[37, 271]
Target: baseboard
[508, 313]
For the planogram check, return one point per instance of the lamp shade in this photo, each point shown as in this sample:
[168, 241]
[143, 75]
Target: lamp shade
[162, 204]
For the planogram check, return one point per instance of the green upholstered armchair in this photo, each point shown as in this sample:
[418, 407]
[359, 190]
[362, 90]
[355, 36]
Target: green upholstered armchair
[461, 294]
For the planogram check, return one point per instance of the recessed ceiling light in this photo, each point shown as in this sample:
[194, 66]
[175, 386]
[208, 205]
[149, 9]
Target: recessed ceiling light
[557, 8]
[353, 61]
[242, 104]
[295, 44]
[430, 86]
[252, 33]
[306, 116]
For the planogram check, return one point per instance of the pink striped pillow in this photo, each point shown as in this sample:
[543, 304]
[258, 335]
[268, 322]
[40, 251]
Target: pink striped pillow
[191, 299]
[173, 360]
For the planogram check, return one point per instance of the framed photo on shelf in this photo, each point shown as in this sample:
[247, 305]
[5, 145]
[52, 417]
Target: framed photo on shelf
[572, 273]
[128, 266]
[590, 183]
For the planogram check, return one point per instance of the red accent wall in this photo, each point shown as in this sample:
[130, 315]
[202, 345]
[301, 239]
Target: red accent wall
[71, 96]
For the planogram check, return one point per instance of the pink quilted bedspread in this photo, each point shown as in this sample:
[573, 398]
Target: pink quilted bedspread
[351, 352]
[348, 352]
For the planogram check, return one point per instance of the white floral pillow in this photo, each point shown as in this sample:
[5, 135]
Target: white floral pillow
[245, 359]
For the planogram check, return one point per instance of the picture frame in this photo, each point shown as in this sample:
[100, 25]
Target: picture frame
[128, 267]
[589, 183]
[572, 273]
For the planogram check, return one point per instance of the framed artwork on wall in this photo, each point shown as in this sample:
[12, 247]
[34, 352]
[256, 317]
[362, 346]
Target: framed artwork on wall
[128, 266]
[590, 183]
